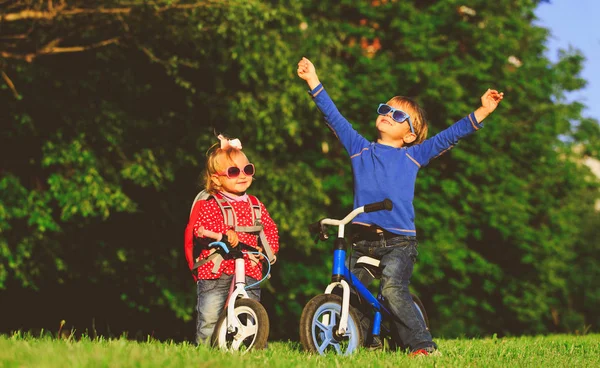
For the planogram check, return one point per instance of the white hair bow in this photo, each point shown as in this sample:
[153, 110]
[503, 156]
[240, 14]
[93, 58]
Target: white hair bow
[226, 142]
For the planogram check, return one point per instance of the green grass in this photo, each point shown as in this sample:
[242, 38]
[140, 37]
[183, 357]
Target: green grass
[543, 351]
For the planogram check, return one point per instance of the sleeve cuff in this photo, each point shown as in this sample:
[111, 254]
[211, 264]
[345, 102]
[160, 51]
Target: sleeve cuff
[476, 125]
[314, 92]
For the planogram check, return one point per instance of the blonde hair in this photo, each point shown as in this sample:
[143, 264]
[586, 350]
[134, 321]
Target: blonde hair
[418, 118]
[217, 161]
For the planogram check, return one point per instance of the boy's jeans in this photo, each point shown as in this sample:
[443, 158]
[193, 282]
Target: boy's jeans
[212, 295]
[397, 257]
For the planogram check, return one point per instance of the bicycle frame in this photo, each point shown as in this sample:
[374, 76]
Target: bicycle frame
[343, 277]
[238, 283]
[340, 274]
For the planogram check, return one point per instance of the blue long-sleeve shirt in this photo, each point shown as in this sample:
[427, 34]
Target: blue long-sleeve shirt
[382, 171]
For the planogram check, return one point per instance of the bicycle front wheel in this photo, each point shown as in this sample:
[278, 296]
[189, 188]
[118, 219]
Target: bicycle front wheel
[253, 330]
[319, 325]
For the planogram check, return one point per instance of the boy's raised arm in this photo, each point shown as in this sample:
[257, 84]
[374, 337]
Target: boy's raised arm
[446, 139]
[350, 139]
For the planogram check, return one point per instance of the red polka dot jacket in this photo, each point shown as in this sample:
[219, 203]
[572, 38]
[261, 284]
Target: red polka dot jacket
[209, 217]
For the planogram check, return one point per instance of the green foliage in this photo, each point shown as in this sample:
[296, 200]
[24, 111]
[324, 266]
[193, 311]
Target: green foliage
[103, 149]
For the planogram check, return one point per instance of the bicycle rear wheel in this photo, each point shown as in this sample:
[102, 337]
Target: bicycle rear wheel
[392, 340]
[421, 309]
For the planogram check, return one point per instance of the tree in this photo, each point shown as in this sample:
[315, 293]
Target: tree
[105, 154]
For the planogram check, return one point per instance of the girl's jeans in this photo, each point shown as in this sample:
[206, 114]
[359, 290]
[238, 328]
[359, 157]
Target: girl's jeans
[212, 295]
[397, 257]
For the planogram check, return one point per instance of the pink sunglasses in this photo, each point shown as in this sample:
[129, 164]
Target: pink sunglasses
[234, 171]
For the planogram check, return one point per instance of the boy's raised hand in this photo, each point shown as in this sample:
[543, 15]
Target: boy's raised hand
[306, 70]
[489, 101]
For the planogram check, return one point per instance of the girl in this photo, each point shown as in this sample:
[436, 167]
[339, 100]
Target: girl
[228, 176]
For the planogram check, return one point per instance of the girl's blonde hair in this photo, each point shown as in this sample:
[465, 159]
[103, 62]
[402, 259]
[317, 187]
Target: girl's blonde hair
[418, 119]
[218, 160]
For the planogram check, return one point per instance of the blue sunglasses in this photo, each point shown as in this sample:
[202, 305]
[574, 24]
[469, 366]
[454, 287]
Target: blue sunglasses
[399, 116]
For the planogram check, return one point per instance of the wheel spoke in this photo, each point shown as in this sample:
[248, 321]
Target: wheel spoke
[337, 348]
[248, 331]
[235, 344]
[332, 318]
[324, 346]
[250, 328]
[321, 325]
[250, 321]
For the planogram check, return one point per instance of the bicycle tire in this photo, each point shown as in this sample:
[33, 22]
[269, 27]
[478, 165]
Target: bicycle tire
[392, 340]
[421, 308]
[318, 337]
[254, 323]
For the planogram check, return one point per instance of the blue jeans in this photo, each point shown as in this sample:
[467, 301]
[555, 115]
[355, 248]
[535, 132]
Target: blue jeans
[212, 295]
[397, 257]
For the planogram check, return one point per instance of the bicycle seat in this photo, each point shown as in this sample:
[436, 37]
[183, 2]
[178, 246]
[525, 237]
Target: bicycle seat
[370, 264]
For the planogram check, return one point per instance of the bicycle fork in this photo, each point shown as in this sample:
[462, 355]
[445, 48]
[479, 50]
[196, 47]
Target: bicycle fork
[233, 325]
[340, 273]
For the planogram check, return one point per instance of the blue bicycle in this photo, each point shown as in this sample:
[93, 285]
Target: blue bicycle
[336, 323]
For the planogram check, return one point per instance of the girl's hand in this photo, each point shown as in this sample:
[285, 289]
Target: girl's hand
[490, 99]
[306, 70]
[260, 249]
[232, 237]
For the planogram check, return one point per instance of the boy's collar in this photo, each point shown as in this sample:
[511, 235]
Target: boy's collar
[378, 141]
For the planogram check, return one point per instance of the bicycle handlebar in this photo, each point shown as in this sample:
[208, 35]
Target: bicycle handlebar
[222, 242]
[318, 227]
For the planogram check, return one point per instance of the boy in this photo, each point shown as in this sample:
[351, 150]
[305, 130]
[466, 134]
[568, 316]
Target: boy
[388, 168]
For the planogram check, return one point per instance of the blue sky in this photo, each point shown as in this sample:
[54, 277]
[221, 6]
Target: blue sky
[576, 23]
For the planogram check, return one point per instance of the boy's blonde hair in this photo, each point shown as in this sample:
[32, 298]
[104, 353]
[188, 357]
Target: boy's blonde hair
[218, 160]
[417, 115]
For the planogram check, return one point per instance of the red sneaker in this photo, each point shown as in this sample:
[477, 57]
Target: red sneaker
[419, 352]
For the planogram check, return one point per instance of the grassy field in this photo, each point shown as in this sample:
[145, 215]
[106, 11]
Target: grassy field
[542, 351]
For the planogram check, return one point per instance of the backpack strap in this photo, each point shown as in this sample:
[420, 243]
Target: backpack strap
[215, 257]
[203, 194]
[230, 218]
[256, 212]
[226, 210]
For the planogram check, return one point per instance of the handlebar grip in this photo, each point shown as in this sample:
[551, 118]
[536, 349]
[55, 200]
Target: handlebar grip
[386, 204]
[319, 229]
[228, 248]
[315, 228]
[223, 244]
